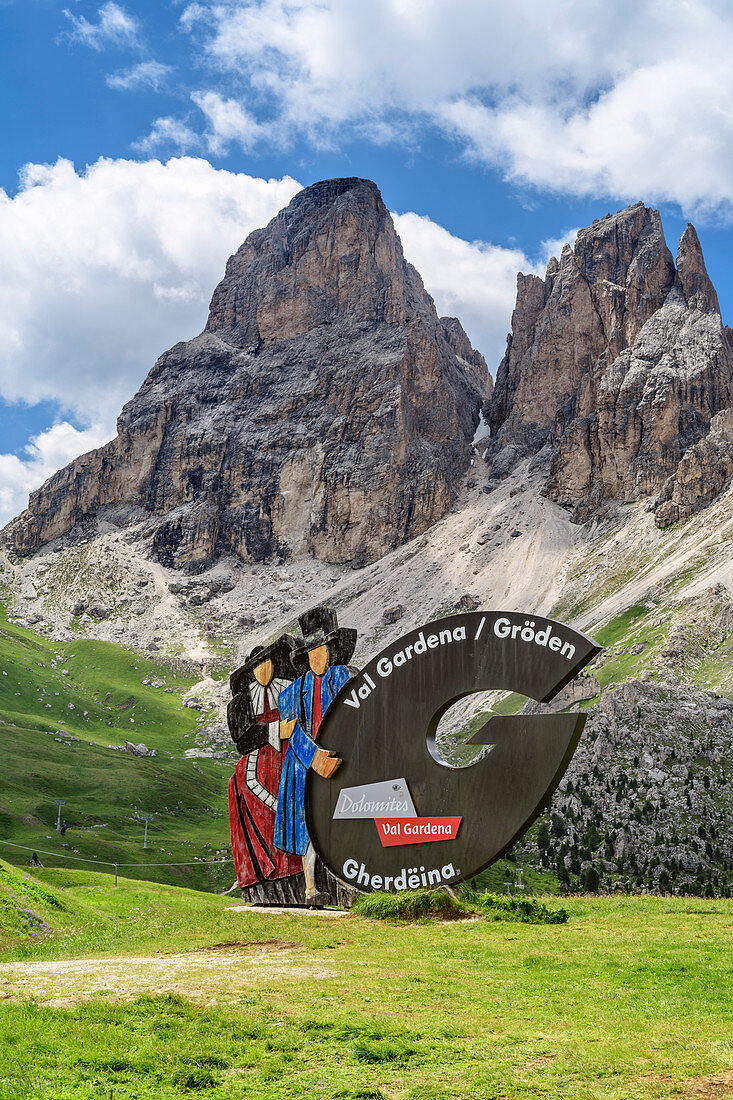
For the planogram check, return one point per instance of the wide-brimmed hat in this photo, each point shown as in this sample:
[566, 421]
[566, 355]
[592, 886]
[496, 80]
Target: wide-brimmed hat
[278, 652]
[320, 627]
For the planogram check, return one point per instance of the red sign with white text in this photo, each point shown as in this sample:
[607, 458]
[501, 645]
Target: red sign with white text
[416, 830]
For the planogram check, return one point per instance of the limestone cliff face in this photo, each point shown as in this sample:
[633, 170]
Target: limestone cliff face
[473, 361]
[325, 408]
[701, 474]
[616, 365]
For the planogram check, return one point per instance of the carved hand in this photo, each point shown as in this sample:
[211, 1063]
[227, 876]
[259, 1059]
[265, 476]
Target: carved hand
[286, 729]
[325, 763]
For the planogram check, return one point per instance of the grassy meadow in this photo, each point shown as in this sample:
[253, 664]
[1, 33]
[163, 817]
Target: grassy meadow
[154, 989]
[631, 998]
[65, 709]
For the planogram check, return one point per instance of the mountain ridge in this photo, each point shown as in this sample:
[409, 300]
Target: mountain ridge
[617, 363]
[237, 441]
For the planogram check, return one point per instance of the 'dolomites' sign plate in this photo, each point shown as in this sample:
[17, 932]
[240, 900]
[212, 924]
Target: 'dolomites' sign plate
[397, 816]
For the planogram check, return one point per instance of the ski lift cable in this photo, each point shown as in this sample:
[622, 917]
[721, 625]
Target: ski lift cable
[113, 863]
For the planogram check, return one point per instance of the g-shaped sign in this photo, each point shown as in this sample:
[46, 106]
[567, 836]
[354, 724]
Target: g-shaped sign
[396, 815]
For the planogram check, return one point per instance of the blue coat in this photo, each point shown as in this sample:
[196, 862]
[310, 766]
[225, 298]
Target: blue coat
[296, 702]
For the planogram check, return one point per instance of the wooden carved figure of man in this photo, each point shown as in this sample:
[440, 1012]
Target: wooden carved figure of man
[320, 664]
[254, 721]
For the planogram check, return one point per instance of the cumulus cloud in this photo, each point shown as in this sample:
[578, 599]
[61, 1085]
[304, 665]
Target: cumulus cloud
[227, 121]
[104, 269]
[628, 99]
[114, 27]
[664, 131]
[169, 133]
[146, 74]
[471, 280]
[46, 452]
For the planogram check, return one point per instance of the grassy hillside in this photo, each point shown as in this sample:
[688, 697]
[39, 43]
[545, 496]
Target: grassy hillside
[55, 912]
[630, 1000]
[65, 710]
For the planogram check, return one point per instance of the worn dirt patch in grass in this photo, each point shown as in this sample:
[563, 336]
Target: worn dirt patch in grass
[209, 976]
[539, 1062]
[249, 945]
[717, 1087]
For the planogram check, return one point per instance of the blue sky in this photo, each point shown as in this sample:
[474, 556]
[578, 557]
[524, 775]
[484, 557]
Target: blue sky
[142, 142]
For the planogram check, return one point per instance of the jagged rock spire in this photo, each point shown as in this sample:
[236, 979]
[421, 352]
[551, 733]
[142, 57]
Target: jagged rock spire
[692, 273]
[616, 364]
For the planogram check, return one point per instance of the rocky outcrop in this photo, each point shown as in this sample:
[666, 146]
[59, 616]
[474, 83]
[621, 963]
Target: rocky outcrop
[701, 475]
[646, 801]
[324, 409]
[138, 750]
[579, 690]
[616, 365]
[473, 360]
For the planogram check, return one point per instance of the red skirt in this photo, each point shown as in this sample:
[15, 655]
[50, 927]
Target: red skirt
[252, 823]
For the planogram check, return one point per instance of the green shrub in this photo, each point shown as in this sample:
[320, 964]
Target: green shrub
[422, 905]
[410, 905]
[526, 910]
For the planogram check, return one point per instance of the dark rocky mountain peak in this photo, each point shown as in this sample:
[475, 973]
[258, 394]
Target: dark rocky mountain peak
[326, 408]
[331, 254]
[616, 365]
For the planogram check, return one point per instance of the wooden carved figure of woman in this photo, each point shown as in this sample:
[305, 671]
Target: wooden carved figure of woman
[254, 721]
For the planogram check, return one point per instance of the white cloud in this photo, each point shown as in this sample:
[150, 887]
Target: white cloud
[471, 280]
[192, 14]
[630, 99]
[46, 452]
[227, 122]
[663, 132]
[105, 269]
[146, 74]
[169, 133]
[114, 27]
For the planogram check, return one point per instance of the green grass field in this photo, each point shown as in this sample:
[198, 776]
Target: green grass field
[630, 1000]
[65, 710]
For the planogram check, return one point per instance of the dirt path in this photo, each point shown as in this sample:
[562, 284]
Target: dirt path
[212, 976]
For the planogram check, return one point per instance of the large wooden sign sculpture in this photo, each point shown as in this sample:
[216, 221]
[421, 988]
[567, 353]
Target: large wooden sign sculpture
[361, 781]
[443, 823]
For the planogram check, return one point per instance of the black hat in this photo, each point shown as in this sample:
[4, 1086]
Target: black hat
[320, 627]
[278, 652]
